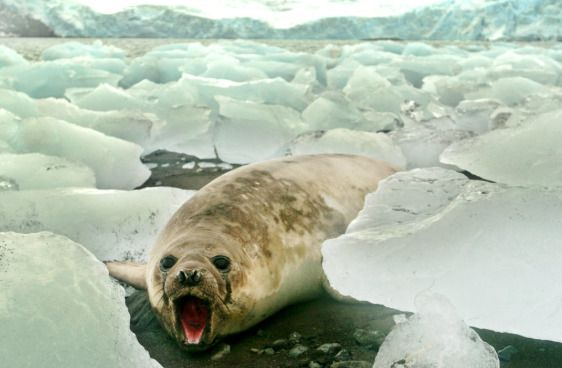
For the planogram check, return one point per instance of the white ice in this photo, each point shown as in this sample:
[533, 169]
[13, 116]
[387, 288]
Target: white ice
[48, 171]
[375, 145]
[493, 250]
[116, 162]
[113, 225]
[528, 154]
[59, 307]
[436, 337]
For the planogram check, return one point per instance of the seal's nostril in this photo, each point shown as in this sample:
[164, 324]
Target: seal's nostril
[191, 278]
[194, 278]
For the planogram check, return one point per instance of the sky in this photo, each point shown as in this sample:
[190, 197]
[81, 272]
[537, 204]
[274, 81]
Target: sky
[284, 13]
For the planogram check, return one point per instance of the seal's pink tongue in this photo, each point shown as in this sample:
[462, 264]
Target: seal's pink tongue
[194, 318]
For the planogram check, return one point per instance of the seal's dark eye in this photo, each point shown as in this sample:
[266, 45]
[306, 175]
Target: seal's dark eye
[222, 263]
[167, 262]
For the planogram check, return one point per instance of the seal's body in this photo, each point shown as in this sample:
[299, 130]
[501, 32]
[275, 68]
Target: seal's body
[248, 244]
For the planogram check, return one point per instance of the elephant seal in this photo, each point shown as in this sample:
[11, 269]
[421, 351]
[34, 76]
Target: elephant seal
[248, 244]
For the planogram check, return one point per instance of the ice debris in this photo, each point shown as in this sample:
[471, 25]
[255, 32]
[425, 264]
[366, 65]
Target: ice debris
[59, 302]
[474, 242]
[435, 337]
[113, 225]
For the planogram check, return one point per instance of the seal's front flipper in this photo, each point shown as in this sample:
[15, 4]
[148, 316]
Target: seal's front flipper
[131, 273]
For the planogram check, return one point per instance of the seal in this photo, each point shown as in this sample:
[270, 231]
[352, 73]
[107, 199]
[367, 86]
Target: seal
[249, 243]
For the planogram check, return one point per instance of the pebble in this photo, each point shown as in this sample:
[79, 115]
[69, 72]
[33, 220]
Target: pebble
[506, 353]
[352, 364]
[314, 365]
[342, 356]
[223, 349]
[330, 348]
[369, 338]
[295, 338]
[297, 351]
[269, 351]
[280, 344]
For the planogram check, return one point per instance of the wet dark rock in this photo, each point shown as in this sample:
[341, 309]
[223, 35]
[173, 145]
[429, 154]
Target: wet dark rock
[280, 344]
[223, 349]
[330, 349]
[297, 351]
[342, 356]
[369, 338]
[295, 338]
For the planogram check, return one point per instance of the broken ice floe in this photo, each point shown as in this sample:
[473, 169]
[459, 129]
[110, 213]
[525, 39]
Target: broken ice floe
[492, 249]
[375, 145]
[527, 154]
[437, 337]
[177, 98]
[113, 225]
[59, 302]
[115, 162]
[48, 171]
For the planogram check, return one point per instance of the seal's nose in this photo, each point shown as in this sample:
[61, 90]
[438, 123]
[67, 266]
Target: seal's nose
[191, 277]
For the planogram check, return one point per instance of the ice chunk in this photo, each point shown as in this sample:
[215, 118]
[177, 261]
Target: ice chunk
[472, 241]
[186, 123]
[475, 115]
[116, 162]
[415, 69]
[367, 88]
[332, 110]
[9, 57]
[376, 145]
[131, 125]
[105, 97]
[539, 68]
[250, 132]
[60, 308]
[52, 78]
[435, 337]
[272, 91]
[513, 90]
[231, 69]
[422, 145]
[529, 154]
[78, 49]
[37, 171]
[113, 225]
[18, 103]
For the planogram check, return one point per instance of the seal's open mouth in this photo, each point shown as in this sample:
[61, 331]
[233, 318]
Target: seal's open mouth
[193, 313]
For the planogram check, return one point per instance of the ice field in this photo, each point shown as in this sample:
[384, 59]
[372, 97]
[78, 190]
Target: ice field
[75, 123]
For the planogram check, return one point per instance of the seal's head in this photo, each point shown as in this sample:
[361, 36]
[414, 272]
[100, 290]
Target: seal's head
[192, 297]
[191, 292]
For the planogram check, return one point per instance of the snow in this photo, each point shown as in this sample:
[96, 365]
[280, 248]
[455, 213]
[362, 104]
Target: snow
[59, 303]
[492, 249]
[529, 20]
[435, 337]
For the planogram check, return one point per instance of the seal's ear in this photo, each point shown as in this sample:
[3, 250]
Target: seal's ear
[132, 273]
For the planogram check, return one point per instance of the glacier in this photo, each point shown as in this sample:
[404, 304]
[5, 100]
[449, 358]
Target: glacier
[515, 20]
